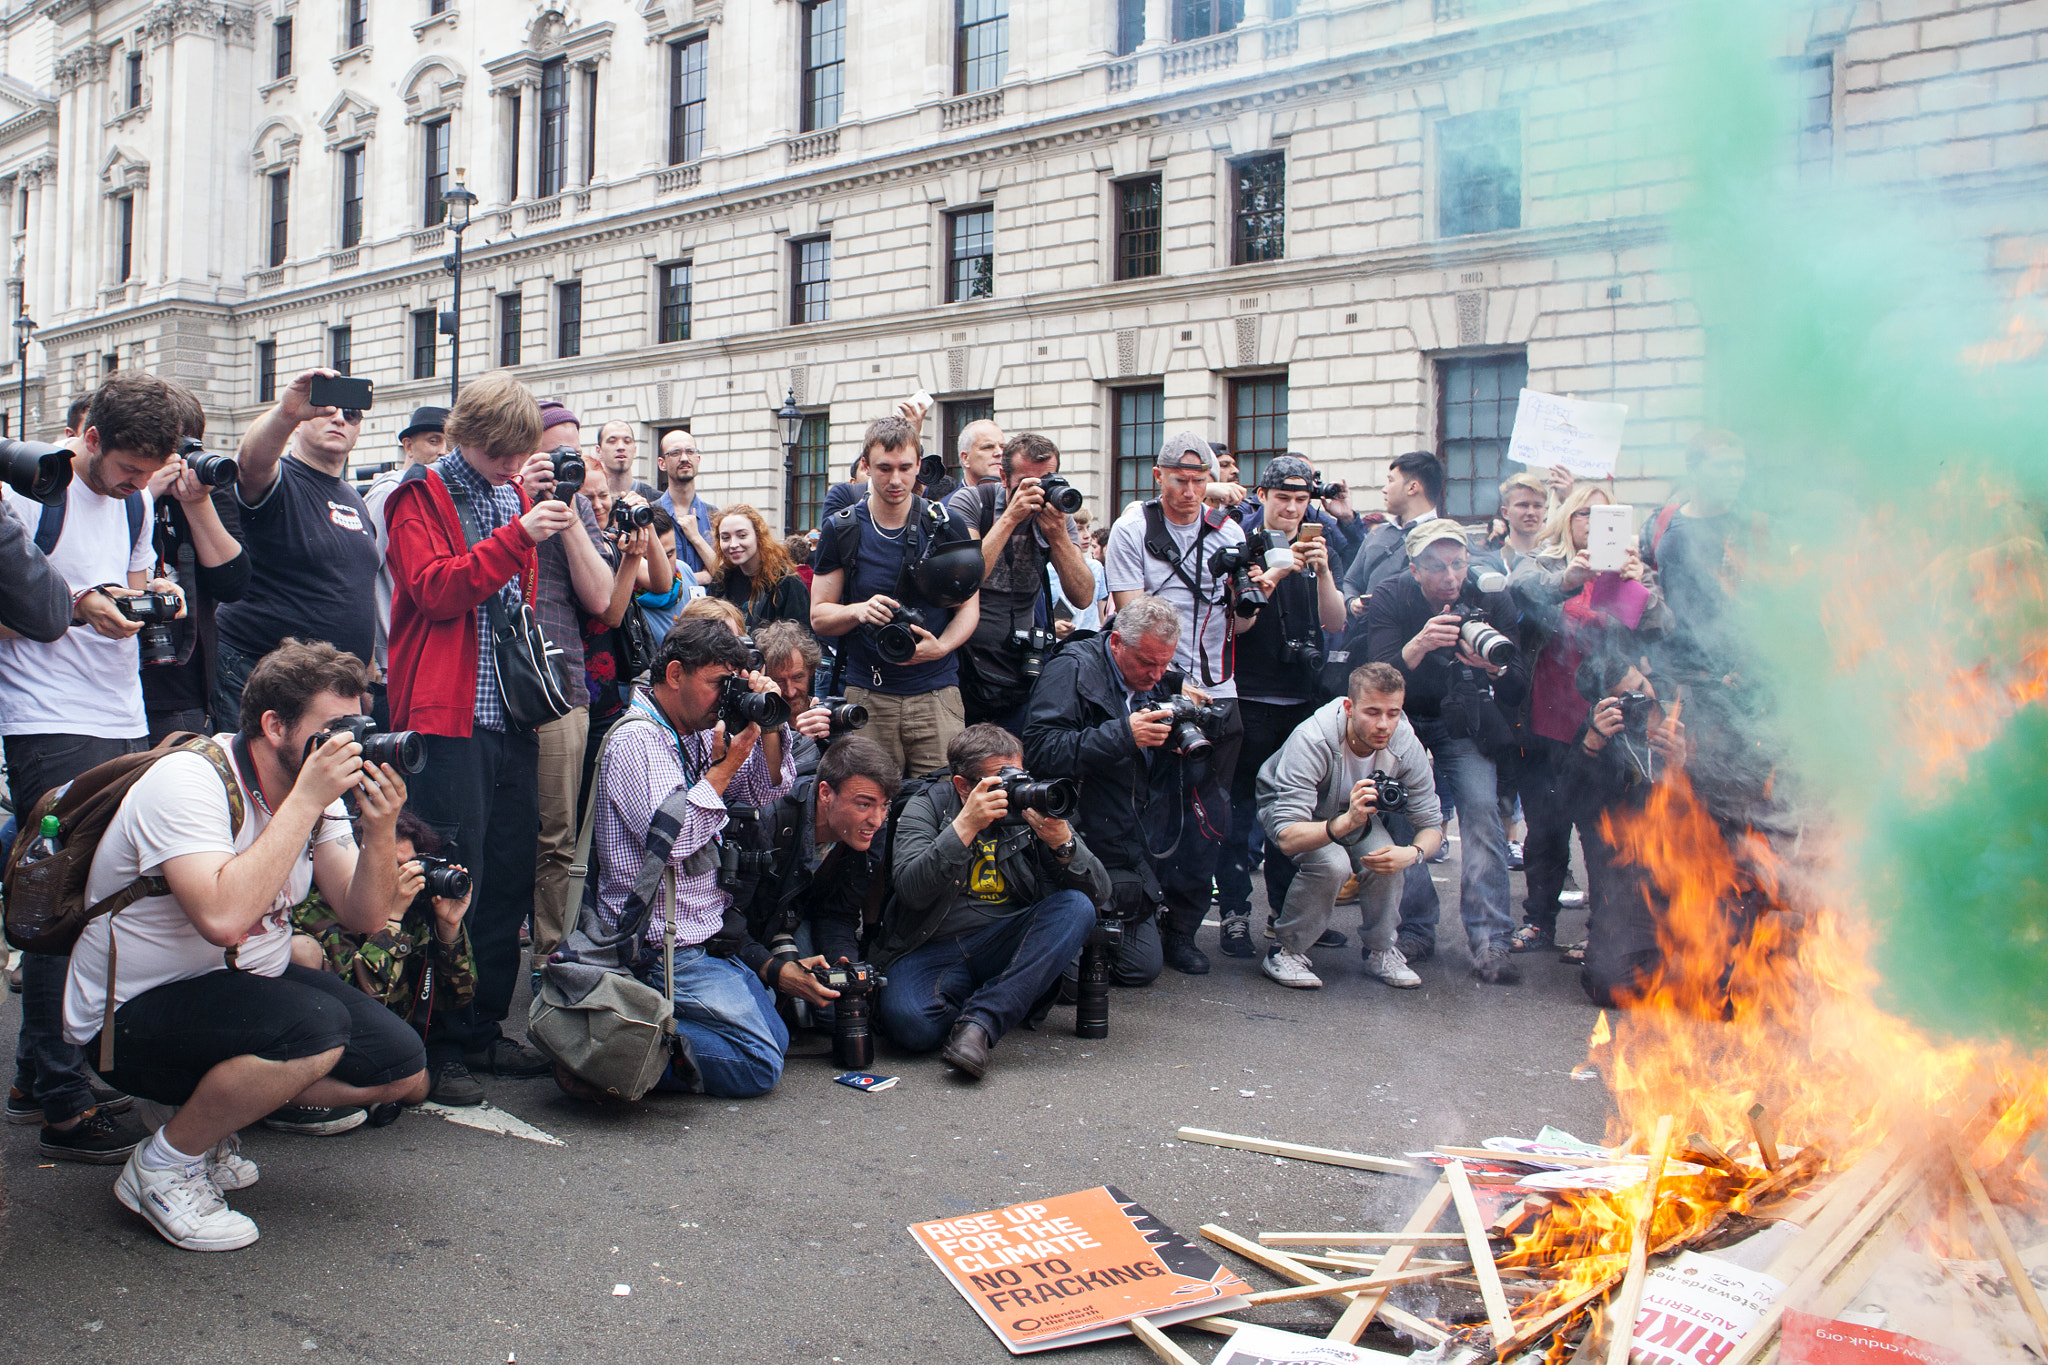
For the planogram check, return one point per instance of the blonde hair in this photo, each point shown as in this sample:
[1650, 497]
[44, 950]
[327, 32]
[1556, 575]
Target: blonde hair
[1557, 530]
[1522, 480]
[714, 609]
[496, 416]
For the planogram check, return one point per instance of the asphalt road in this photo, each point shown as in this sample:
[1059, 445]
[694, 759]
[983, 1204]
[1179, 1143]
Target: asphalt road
[772, 1230]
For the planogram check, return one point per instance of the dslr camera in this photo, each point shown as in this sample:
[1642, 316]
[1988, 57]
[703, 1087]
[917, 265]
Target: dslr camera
[156, 611]
[628, 517]
[1318, 490]
[1305, 653]
[1058, 799]
[1061, 494]
[1388, 793]
[845, 715]
[896, 642]
[445, 880]
[739, 705]
[853, 1043]
[1029, 646]
[1232, 562]
[402, 749]
[756, 660]
[211, 470]
[1635, 715]
[1477, 633]
[1195, 724]
[570, 472]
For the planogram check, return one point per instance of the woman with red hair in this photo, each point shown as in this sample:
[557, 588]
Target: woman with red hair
[754, 572]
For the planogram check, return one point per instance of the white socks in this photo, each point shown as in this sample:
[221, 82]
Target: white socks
[158, 1154]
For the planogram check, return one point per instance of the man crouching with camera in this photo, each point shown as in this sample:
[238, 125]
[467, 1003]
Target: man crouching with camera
[995, 894]
[706, 736]
[206, 1009]
[1324, 799]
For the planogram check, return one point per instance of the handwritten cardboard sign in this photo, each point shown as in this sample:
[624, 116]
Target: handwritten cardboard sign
[1583, 436]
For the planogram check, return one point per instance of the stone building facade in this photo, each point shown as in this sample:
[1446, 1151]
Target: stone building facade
[1349, 227]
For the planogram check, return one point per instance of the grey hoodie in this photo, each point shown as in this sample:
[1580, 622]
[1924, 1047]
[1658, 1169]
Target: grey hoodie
[1310, 777]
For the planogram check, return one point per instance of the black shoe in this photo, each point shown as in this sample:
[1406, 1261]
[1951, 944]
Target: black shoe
[386, 1114]
[313, 1120]
[1183, 956]
[1415, 950]
[503, 1057]
[98, 1139]
[22, 1108]
[454, 1086]
[1331, 939]
[1237, 937]
[1494, 967]
[967, 1049]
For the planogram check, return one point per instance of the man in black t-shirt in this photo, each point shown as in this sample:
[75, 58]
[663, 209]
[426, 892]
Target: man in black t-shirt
[195, 539]
[312, 547]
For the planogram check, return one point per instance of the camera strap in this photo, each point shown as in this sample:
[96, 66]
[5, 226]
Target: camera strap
[1159, 543]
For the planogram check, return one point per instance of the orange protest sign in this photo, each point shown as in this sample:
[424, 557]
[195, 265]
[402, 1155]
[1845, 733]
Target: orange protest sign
[1074, 1268]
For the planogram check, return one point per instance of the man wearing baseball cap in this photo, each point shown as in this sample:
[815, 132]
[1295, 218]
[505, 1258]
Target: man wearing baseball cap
[1169, 550]
[421, 442]
[1454, 700]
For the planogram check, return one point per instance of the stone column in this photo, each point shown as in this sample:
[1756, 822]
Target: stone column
[529, 137]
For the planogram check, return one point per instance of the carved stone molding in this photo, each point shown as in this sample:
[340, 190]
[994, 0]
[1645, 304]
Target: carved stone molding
[173, 19]
[79, 65]
[431, 89]
[350, 119]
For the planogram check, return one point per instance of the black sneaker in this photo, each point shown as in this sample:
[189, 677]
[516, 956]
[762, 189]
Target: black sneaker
[22, 1108]
[314, 1120]
[1494, 967]
[1183, 956]
[98, 1139]
[455, 1086]
[1237, 937]
[1415, 950]
[504, 1057]
[1332, 939]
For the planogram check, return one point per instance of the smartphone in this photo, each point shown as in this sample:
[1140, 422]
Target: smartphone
[1608, 536]
[341, 391]
[1310, 530]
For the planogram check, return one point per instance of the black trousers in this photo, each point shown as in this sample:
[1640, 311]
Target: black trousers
[482, 795]
[1547, 850]
[1266, 728]
[1188, 874]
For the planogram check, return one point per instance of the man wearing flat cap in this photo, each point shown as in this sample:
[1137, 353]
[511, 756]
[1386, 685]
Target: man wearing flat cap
[422, 442]
[1455, 700]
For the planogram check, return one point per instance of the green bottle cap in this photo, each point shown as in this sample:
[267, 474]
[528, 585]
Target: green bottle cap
[52, 827]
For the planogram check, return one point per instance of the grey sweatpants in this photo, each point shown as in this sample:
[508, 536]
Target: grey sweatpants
[1312, 899]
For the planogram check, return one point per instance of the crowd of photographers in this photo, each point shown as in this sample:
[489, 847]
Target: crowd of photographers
[955, 760]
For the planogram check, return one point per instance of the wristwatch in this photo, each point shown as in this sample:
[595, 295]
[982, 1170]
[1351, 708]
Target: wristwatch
[1065, 852]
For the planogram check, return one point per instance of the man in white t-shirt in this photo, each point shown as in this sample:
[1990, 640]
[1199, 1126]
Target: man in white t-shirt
[207, 1010]
[75, 703]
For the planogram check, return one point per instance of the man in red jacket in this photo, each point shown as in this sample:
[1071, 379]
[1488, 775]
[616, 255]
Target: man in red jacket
[463, 531]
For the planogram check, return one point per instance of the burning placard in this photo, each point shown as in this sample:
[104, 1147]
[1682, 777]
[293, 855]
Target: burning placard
[1696, 1309]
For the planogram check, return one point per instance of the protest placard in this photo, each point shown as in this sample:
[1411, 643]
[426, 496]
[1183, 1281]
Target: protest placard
[1695, 1310]
[1074, 1268]
[1582, 436]
[1252, 1344]
[1808, 1340]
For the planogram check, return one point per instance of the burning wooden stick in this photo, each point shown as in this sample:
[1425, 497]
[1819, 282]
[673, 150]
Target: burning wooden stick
[1622, 1315]
[1159, 1344]
[1327, 1156]
[2000, 1242]
[1351, 1326]
[1766, 1134]
[1497, 1316]
[1698, 1148]
[1343, 1289]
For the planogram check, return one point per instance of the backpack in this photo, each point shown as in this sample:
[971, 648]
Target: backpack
[46, 905]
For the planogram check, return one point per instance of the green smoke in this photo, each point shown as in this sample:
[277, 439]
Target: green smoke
[1839, 312]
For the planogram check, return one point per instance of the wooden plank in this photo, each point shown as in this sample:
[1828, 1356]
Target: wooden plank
[1529, 1333]
[1159, 1344]
[1621, 1318]
[1351, 1326]
[1344, 1289]
[1488, 1154]
[1405, 1321]
[1338, 1260]
[1327, 1156]
[1285, 1266]
[1360, 1239]
[2000, 1242]
[1833, 1207]
[1490, 1294]
[1766, 1134]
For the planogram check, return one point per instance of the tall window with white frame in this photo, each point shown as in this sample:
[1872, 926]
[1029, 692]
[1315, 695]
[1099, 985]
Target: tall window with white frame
[280, 216]
[823, 54]
[970, 255]
[813, 474]
[351, 196]
[810, 280]
[124, 211]
[425, 342]
[511, 318]
[675, 302]
[686, 81]
[1479, 172]
[1137, 228]
[266, 372]
[1258, 423]
[1259, 208]
[1194, 19]
[569, 320]
[358, 24]
[1138, 421]
[435, 165]
[1476, 397]
[135, 80]
[554, 126]
[982, 55]
[281, 40]
[955, 417]
[341, 348]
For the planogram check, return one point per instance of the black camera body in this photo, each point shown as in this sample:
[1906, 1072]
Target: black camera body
[211, 470]
[445, 880]
[1029, 646]
[756, 660]
[570, 471]
[402, 749]
[1233, 562]
[739, 705]
[1306, 653]
[1319, 490]
[628, 517]
[845, 715]
[150, 608]
[1635, 715]
[895, 641]
[1388, 792]
[931, 470]
[1195, 724]
[853, 1041]
[1057, 799]
[1061, 494]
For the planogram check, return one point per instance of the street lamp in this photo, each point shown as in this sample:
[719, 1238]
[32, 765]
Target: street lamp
[792, 419]
[24, 328]
[458, 203]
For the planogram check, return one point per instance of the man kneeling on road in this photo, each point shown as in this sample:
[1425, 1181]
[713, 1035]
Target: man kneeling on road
[989, 909]
[207, 1009]
[1319, 798]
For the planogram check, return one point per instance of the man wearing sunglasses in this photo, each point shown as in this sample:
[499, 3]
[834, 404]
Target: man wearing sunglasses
[313, 553]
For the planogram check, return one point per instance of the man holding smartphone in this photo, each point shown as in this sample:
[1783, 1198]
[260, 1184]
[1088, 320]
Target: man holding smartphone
[313, 554]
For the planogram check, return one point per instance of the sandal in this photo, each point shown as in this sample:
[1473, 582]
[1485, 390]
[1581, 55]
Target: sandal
[1532, 938]
[1574, 956]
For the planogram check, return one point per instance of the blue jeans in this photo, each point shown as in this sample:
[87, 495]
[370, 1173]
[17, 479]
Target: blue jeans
[1466, 776]
[231, 669]
[729, 1019]
[992, 976]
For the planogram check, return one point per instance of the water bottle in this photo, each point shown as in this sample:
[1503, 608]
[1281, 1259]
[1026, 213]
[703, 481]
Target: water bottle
[45, 844]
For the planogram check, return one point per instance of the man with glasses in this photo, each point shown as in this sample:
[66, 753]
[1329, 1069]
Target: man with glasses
[313, 554]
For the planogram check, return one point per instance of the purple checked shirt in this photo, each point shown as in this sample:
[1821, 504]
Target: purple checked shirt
[642, 765]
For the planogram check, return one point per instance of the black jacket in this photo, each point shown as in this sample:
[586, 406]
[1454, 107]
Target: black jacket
[1079, 726]
[1441, 690]
[830, 898]
[37, 603]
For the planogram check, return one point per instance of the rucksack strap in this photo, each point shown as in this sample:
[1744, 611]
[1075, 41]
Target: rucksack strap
[985, 493]
[1159, 544]
[659, 843]
[1659, 527]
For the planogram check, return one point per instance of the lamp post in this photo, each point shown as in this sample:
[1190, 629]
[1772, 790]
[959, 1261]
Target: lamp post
[24, 328]
[459, 202]
[792, 419]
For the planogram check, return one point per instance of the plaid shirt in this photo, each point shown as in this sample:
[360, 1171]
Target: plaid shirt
[642, 765]
[491, 508]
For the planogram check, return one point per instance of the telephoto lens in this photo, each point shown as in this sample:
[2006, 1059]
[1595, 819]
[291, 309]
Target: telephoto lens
[445, 881]
[402, 749]
[1057, 799]
[896, 642]
[1479, 636]
[740, 706]
[1091, 1007]
[157, 650]
[211, 470]
[38, 472]
[1061, 494]
[853, 1041]
[569, 472]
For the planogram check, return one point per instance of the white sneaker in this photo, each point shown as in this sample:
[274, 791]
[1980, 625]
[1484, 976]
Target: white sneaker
[183, 1206]
[1391, 967]
[1290, 969]
[228, 1168]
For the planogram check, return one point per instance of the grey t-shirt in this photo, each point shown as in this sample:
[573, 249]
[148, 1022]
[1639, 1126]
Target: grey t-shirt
[1204, 653]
